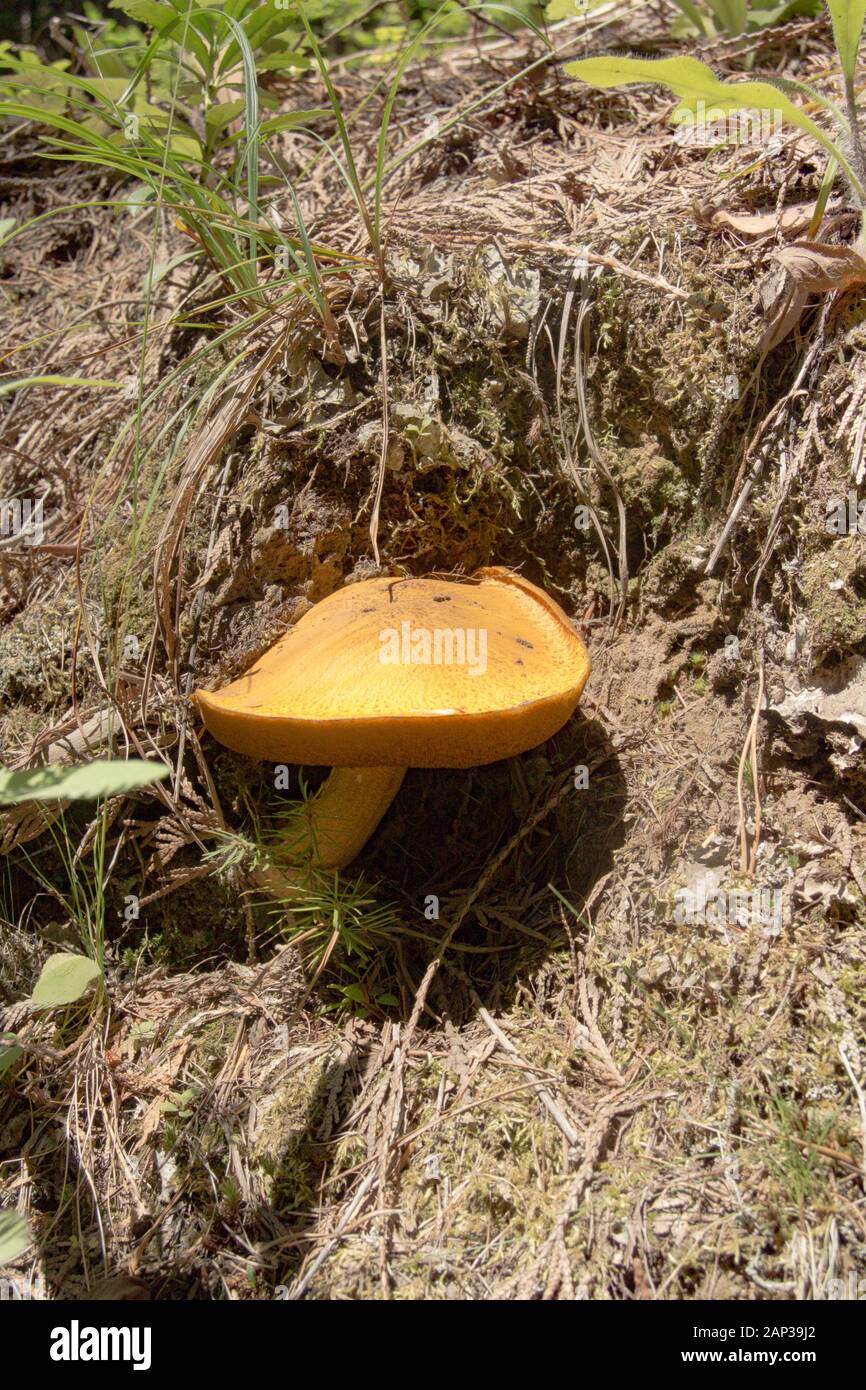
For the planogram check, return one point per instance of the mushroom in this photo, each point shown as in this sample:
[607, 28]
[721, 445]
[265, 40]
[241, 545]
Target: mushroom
[389, 674]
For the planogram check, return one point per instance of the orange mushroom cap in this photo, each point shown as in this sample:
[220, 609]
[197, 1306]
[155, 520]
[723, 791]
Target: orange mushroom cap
[409, 673]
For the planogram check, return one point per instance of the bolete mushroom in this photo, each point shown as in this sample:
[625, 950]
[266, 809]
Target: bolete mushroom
[389, 674]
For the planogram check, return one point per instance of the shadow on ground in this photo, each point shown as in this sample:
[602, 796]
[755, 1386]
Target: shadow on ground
[443, 838]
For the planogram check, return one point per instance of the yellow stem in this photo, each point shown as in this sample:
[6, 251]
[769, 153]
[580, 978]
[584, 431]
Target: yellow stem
[335, 824]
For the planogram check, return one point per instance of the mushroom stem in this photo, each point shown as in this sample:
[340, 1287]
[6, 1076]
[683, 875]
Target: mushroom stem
[335, 824]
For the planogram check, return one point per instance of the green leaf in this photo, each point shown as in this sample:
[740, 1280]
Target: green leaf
[86, 782]
[763, 19]
[221, 115]
[567, 9]
[847, 17]
[178, 1103]
[64, 979]
[259, 27]
[185, 146]
[700, 22]
[697, 85]
[14, 1236]
[39, 79]
[145, 11]
[146, 1028]
[289, 120]
[111, 62]
[731, 15]
[10, 1051]
[274, 61]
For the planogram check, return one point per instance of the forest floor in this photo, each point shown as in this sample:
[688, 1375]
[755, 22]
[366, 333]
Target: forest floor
[593, 1083]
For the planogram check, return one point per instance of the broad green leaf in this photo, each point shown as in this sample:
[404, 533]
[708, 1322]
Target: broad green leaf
[274, 61]
[153, 118]
[146, 1028]
[847, 17]
[26, 58]
[164, 18]
[64, 979]
[262, 25]
[290, 120]
[14, 1236]
[86, 782]
[567, 9]
[48, 82]
[145, 11]
[763, 19]
[731, 15]
[178, 1102]
[10, 1051]
[697, 85]
[186, 146]
[45, 79]
[110, 62]
[41, 105]
[219, 116]
[106, 88]
[700, 22]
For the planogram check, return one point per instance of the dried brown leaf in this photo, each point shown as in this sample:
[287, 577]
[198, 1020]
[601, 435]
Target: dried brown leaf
[818, 268]
[763, 224]
[783, 316]
[812, 267]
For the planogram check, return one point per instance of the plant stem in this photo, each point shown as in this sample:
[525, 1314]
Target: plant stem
[854, 124]
[335, 824]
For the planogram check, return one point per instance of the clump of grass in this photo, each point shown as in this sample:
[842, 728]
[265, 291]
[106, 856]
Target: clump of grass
[794, 1158]
[85, 869]
[336, 920]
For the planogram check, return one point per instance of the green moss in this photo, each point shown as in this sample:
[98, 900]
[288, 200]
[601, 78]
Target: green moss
[36, 655]
[668, 574]
[286, 1153]
[833, 585]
